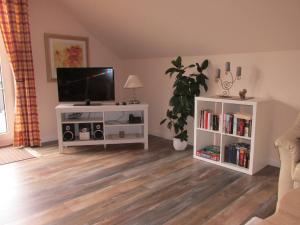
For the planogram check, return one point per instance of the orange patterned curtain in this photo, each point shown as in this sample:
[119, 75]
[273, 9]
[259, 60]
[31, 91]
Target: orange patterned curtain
[14, 24]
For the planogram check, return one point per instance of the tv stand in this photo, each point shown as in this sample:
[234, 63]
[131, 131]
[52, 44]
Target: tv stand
[113, 120]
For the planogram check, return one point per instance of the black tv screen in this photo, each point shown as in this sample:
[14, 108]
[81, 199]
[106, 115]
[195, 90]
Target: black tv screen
[81, 84]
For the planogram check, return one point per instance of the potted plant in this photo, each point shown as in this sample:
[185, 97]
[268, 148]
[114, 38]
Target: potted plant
[185, 88]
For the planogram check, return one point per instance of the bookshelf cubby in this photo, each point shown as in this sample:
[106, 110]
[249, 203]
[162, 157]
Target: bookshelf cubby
[250, 159]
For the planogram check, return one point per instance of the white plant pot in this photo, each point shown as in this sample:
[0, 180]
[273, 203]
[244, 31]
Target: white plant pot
[179, 145]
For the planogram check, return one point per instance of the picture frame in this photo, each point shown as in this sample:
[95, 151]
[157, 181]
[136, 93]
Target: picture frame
[65, 51]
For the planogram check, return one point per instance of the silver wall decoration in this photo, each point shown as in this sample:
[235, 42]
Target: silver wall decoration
[227, 80]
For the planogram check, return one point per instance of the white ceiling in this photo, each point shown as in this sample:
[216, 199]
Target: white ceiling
[157, 28]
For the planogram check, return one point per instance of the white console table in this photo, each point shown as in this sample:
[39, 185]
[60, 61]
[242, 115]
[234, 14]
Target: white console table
[114, 121]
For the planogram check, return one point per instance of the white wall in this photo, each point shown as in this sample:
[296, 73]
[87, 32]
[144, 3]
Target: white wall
[271, 75]
[49, 17]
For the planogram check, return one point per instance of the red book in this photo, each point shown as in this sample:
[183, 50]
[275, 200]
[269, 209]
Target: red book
[242, 156]
[245, 160]
[241, 127]
[206, 120]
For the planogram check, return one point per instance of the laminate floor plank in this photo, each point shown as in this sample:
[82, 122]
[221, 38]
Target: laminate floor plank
[128, 185]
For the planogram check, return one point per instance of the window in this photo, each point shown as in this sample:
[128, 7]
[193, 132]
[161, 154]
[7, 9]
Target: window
[3, 124]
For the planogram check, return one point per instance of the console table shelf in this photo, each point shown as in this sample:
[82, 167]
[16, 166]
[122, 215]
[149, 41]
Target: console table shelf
[82, 121]
[206, 139]
[110, 120]
[122, 124]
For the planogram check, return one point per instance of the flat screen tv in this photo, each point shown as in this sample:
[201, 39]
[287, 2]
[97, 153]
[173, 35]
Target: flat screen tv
[86, 84]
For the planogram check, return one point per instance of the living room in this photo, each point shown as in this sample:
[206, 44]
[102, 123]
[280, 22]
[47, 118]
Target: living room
[142, 38]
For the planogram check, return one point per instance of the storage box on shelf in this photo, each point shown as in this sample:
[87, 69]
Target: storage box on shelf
[232, 133]
[102, 125]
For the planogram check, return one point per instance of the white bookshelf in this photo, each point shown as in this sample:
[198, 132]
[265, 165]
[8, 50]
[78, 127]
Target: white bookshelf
[259, 145]
[114, 118]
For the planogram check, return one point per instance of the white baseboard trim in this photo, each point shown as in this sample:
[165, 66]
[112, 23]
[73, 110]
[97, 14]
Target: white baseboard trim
[275, 163]
[48, 139]
[168, 137]
[165, 136]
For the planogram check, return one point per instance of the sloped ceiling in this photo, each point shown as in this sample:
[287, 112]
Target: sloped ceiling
[157, 28]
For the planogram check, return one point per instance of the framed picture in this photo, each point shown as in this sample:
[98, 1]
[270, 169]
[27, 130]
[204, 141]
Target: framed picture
[65, 51]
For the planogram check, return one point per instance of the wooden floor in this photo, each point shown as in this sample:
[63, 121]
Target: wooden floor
[128, 185]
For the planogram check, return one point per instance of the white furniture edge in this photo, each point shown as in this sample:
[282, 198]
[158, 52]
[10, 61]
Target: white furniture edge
[70, 108]
[258, 153]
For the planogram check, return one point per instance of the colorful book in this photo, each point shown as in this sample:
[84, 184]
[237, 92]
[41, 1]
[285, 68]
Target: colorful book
[234, 125]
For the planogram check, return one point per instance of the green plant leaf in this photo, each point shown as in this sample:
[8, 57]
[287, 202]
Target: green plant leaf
[169, 125]
[190, 66]
[177, 62]
[194, 88]
[205, 77]
[199, 69]
[169, 114]
[163, 121]
[174, 101]
[205, 87]
[174, 63]
[171, 70]
[182, 136]
[204, 65]
[176, 128]
[200, 79]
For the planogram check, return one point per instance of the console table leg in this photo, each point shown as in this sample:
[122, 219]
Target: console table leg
[146, 145]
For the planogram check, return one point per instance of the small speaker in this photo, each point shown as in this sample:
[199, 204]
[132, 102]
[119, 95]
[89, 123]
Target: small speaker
[98, 131]
[134, 119]
[68, 131]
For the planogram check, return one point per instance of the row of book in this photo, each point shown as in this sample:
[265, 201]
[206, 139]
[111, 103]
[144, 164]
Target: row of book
[237, 124]
[209, 120]
[238, 153]
[209, 152]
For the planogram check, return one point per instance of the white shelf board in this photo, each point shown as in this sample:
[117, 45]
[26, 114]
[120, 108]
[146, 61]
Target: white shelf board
[237, 136]
[235, 167]
[110, 139]
[82, 120]
[109, 107]
[83, 142]
[216, 99]
[123, 124]
[225, 164]
[125, 141]
[128, 138]
[207, 160]
[207, 130]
